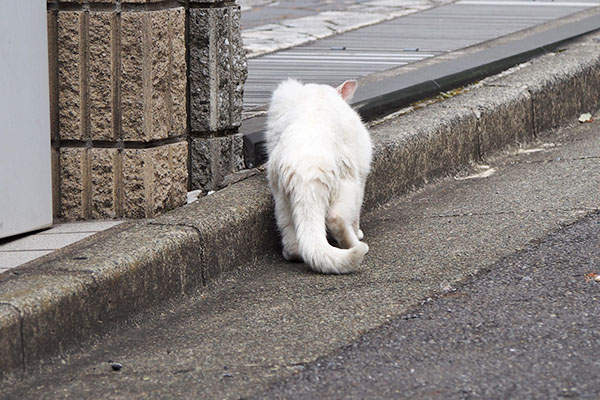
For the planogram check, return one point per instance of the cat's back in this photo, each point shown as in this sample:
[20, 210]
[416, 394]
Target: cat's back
[294, 101]
[315, 112]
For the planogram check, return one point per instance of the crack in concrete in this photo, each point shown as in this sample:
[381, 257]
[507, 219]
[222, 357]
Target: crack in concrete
[200, 255]
[498, 213]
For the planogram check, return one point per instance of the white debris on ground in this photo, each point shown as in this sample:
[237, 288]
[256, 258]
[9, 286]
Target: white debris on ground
[587, 117]
[486, 171]
[543, 147]
[193, 196]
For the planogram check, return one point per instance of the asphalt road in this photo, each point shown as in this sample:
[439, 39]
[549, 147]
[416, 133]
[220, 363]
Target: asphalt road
[526, 329]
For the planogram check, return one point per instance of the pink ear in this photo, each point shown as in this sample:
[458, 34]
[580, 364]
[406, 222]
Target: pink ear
[347, 89]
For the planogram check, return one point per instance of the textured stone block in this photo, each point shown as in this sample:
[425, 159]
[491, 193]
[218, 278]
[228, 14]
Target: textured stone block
[135, 190]
[201, 70]
[74, 177]
[70, 62]
[135, 71]
[212, 159]
[153, 97]
[101, 75]
[239, 67]
[160, 100]
[178, 160]
[154, 180]
[104, 182]
[178, 72]
[222, 25]
[218, 69]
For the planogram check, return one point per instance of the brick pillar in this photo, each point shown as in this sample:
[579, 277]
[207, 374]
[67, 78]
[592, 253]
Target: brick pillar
[217, 72]
[118, 104]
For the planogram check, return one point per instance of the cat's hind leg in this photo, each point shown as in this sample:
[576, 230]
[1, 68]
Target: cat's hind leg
[289, 241]
[360, 194]
[341, 218]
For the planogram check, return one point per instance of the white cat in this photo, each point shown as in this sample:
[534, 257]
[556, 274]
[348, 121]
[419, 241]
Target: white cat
[319, 159]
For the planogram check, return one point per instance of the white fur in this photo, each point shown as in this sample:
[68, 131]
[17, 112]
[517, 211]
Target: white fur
[319, 159]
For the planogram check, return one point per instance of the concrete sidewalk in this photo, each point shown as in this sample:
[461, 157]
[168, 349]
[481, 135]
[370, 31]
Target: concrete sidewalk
[49, 307]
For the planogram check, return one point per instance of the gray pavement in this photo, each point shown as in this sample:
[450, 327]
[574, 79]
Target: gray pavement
[270, 320]
[525, 329]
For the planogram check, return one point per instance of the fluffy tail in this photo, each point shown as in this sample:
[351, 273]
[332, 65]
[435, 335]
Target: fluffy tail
[309, 205]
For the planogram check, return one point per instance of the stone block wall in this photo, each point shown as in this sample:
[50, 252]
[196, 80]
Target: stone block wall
[136, 86]
[218, 70]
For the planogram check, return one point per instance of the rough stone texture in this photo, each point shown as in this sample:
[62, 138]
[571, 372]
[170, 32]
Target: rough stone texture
[201, 79]
[134, 186]
[70, 74]
[11, 357]
[73, 166]
[160, 98]
[153, 79]
[104, 183]
[101, 77]
[222, 26]
[178, 72]
[178, 166]
[120, 76]
[132, 67]
[160, 187]
[217, 67]
[154, 180]
[214, 158]
[239, 69]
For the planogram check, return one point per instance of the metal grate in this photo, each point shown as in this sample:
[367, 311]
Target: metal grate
[399, 42]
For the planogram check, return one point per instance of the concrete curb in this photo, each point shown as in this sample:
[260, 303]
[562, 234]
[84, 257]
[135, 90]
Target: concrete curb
[48, 308]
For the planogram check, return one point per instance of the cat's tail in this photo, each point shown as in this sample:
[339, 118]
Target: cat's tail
[309, 213]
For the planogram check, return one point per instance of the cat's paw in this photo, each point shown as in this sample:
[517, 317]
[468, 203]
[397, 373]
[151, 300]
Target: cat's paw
[360, 235]
[291, 256]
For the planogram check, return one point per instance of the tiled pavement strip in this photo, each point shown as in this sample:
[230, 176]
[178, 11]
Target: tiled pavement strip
[26, 248]
[270, 26]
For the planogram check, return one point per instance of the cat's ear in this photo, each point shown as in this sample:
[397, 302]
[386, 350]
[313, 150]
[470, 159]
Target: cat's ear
[347, 89]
